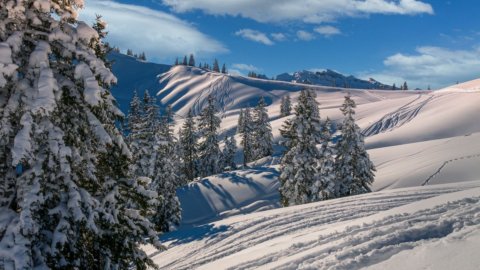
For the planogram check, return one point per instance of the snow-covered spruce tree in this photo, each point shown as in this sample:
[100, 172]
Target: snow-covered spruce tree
[285, 106]
[67, 198]
[165, 178]
[300, 163]
[248, 137]
[354, 169]
[229, 151]
[224, 69]
[326, 186]
[263, 138]
[176, 62]
[189, 147]
[240, 123]
[209, 150]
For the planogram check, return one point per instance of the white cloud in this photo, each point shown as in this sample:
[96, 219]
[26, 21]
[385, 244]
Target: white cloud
[254, 35]
[245, 67]
[434, 66]
[278, 36]
[159, 34]
[304, 35]
[328, 30]
[301, 10]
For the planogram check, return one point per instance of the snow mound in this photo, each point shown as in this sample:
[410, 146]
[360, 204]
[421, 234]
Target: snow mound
[378, 228]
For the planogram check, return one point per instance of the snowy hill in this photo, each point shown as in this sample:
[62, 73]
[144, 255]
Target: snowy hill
[331, 78]
[133, 74]
[433, 227]
[424, 145]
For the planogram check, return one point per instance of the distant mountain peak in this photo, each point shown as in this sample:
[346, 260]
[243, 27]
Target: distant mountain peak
[332, 78]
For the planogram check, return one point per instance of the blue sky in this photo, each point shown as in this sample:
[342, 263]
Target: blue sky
[423, 42]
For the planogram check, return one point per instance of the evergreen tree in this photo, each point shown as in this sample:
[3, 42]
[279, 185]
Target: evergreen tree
[185, 61]
[405, 86]
[300, 163]
[68, 200]
[200, 65]
[247, 137]
[286, 106]
[241, 123]
[209, 150]
[354, 169]
[229, 153]
[142, 56]
[394, 87]
[165, 179]
[129, 52]
[224, 69]
[216, 67]
[325, 186]
[176, 62]
[263, 138]
[191, 61]
[169, 114]
[189, 147]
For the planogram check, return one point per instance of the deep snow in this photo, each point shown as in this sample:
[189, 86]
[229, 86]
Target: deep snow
[423, 143]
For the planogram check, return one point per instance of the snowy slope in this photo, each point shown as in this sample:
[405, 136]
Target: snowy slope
[372, 230]
[422, 141]
[133, 74]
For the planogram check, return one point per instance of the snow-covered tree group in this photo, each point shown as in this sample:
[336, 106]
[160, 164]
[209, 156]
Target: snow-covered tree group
[256, 132]
[312, 167]
[68, 199]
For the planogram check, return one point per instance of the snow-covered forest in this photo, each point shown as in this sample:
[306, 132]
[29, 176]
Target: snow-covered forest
[190, 166]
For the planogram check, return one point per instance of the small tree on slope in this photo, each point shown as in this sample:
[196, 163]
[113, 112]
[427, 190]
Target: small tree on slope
[209, 150]
[300, 164]
[325, 186]
[229, 151]
[247, 137]
[68, 200]
[263, 138]
[354, 169]
[189, 147]
[285, 106]
[165, 179]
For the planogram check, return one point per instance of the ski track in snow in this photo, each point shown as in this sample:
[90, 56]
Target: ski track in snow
[399, 117]
[360, 245]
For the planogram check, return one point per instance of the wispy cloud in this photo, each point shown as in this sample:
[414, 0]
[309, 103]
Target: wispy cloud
[301, 10]
[245, 67]
[328, 30]
[304, 35]
[278, 36]
[160, 35]
[434, 66]
[254, 35]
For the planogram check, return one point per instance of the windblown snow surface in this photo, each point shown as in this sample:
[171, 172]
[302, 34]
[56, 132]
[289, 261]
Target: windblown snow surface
[424, 212]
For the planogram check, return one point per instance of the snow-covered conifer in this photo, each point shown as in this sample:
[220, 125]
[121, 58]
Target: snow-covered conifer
[286, 106]
[325, 185]
[188, 138]
[263, 138]
[224, 69]
[185, 61]
[248, 137]
[300, 163]
[166, 178]
[240, 123]
[229, 151]
[68, 199]
[354, 169]
[209, 150]
[176, 62]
